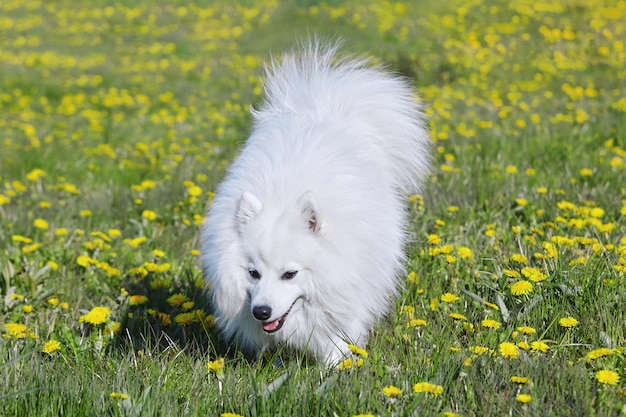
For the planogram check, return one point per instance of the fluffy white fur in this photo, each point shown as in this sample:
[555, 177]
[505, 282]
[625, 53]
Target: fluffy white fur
[308, 227]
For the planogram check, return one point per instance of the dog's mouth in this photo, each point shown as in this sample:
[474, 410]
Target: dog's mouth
[275, 325]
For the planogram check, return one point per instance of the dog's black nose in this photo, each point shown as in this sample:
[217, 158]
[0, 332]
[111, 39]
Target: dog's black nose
[262, 312]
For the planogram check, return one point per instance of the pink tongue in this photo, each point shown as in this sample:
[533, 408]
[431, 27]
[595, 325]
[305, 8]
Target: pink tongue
[272, 325]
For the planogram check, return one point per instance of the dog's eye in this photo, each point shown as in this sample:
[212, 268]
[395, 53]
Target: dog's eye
[289, 274]
[254, 273]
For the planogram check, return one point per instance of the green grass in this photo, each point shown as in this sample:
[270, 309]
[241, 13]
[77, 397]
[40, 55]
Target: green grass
[109, 110]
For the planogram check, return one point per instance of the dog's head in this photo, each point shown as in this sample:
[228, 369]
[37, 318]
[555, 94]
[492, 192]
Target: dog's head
[280, 244]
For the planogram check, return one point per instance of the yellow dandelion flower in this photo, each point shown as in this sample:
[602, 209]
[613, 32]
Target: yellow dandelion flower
[434, 239]
[527, 330]
[54, 301]
[597, 212]
[524, 398]
[586, 172]
[194, 191]
[539, 346]
[21, 239]
[35, 174]
[417, 323]
[551, 250]
[581, 260]
[16, 296]
[391, 391]
[41, 224]
[479, 350]
[350, 363]
[85, 213]
[450, 414]
[607, 377]
[139, 299]
[96, 315]
[176, 300]
[27, 308]
[163, 267]
[491, 305]
[139, 271]
[151, 266]
[522, 287]
[509, 350]
[568, 322]
[450, 259]
[465, 253]
[345, 364]
[492, 324]
[458, 316]
[408, 310]
[519, 258]
[511, 273]
[158, 253]
[522, 202]
[85, 261]
[185, 319]
[533, 274]
[519, 379]
[31, 248]
[523, 345]
[149, 215]
[449, 298]
[51, 346]
[230, 415]
[600, 352]
[216, 366]
[165, 318]
[16, 330]
[187, 305]
[428, 388]
[358, 351]
[118, 396]
[114, 327]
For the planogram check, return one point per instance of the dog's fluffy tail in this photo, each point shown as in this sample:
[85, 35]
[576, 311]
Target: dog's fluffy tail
[329, 85]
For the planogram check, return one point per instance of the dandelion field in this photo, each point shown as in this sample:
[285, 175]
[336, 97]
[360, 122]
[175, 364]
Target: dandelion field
[118, 119]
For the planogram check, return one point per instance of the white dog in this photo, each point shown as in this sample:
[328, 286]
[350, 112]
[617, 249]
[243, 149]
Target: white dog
[303, 244]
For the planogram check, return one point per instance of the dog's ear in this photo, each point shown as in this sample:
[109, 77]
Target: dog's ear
[308, 207]
[249, 208]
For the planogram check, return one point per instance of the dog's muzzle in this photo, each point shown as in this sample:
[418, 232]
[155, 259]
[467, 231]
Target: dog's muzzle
[262, 313]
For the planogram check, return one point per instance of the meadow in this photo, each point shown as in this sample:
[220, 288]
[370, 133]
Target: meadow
[118, 119]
